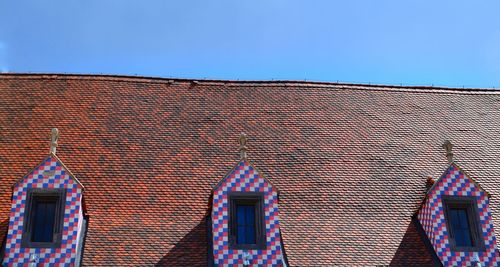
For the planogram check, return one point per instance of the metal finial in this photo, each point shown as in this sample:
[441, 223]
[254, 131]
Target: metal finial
[53, 140]
[449, 147]
[243, 146]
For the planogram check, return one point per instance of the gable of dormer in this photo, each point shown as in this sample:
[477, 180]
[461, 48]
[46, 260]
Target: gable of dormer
[53, 170]
[245, 179]
[457, 220]
[46, 224]
[245, 219]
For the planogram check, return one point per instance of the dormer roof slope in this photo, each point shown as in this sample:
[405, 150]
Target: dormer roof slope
[51, 157]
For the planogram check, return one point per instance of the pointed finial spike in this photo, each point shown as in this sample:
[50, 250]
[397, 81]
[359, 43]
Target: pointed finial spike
[448, 146]
[53, 140]
[243, 146]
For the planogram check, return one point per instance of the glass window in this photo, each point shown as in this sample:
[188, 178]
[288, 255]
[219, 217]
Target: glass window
[464, 227]
[44, 212]
[43, 218]
[460, 226]
[246, 221]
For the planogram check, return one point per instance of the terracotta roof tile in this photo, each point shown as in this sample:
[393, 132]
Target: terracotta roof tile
[350, 161]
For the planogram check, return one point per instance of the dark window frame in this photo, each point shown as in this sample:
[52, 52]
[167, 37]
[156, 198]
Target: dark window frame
[470, 204]
[246, 198]
[59, 194]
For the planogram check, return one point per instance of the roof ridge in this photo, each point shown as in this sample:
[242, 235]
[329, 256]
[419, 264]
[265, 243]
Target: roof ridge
[201, 82]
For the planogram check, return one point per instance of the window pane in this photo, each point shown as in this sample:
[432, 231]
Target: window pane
[455, 221]
[43, 221]
[241, 235]
[39, 213]
[250, 215]
[463, 239]
[460, 227]
[240, 214]
[245, 224]
[250, 232]
[463, 218]
[50, 214]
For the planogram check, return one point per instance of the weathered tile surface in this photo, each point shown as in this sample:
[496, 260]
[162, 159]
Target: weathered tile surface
[350, 161]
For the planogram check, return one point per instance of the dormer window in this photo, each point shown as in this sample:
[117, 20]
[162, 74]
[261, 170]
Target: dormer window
[245, 223]
[460, 226]
[456, 218]
[43, 218]
[44, 215]
[462, 220]
[246, 220]
[47, 222]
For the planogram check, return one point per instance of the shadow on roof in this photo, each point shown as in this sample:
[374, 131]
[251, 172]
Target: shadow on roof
[191, 250]
[415, 249]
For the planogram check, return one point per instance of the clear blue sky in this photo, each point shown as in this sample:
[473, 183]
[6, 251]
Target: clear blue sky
[448, 43]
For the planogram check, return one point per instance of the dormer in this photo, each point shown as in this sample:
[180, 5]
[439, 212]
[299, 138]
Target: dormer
[244, 217]
[456, 218]
[47, 222]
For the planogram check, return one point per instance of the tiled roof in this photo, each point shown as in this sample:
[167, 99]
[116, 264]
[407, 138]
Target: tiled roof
[350, 161]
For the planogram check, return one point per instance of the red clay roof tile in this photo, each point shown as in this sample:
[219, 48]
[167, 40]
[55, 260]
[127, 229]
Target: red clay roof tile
[350, 161]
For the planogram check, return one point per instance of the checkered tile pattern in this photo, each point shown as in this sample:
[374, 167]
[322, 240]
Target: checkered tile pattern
[431, 216]
[245, 178]
[49, 174]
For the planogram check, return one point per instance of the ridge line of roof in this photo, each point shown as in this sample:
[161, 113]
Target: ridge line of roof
[311, 84]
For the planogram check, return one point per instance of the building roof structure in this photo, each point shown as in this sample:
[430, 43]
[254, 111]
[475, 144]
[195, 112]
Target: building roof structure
[350, 161]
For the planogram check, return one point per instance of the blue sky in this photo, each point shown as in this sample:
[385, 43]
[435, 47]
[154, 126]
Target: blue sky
[447, 43]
